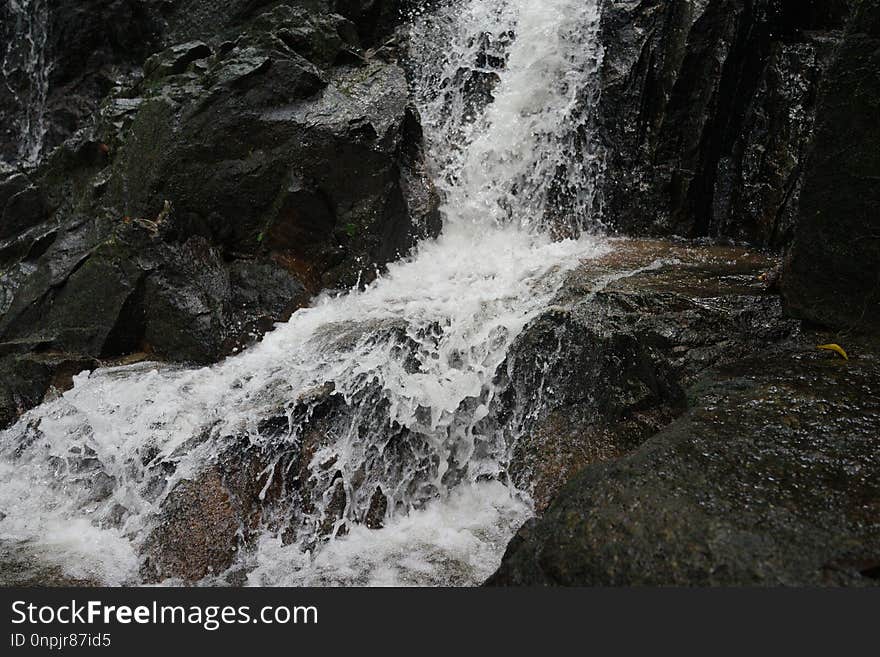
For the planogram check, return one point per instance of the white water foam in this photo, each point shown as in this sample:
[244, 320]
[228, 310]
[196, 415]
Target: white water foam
[455, 540]
[413, 357]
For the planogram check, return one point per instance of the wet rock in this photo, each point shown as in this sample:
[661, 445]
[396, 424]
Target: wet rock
[258, 481]
[759, 182]
[710, 442]
[770, 478]
[378, 508]
[706, 113]
[96, 45]
[608, 366]
[262, 159]
[20, 567]
[243, 151]
[185, 304]
[331, 523]
[198, 535]
[175, 59]
[72, 299]
[27, 379]
[86, 294]
[22, 205]
[375, 19]
[205, 521]
[324, 38]
[833, 274]
[93, 45]
[262, 293]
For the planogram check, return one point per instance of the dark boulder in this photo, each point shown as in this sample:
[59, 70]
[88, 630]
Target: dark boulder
[263, 152]
[769, 474]
[206, 521]
[608, 367]
[28, 379]
[375, 19]
[771, 478]
[833, 274]
[256, 482]
[70, 295]
[175, 60]
[185, 304]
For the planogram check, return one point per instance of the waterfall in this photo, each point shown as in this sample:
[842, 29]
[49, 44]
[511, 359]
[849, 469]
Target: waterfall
[390, 391]
[506, 109]
[25, 70]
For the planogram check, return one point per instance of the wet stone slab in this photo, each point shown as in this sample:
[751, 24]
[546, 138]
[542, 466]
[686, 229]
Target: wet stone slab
[770, 475]
[609, 363]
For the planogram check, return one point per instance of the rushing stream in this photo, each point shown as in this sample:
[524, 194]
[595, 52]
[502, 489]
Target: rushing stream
[411, 362]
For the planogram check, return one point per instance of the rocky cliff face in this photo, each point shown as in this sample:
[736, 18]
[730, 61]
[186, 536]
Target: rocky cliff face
[707, 112]
[833, 275]
[750, 120]
[81, 50]
[78, 51]
[262, 154]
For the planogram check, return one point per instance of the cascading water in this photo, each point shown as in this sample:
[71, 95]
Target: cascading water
[25, 70]
[507, 110]
[407, 367]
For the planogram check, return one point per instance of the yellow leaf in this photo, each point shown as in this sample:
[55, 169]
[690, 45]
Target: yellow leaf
[835, 348]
